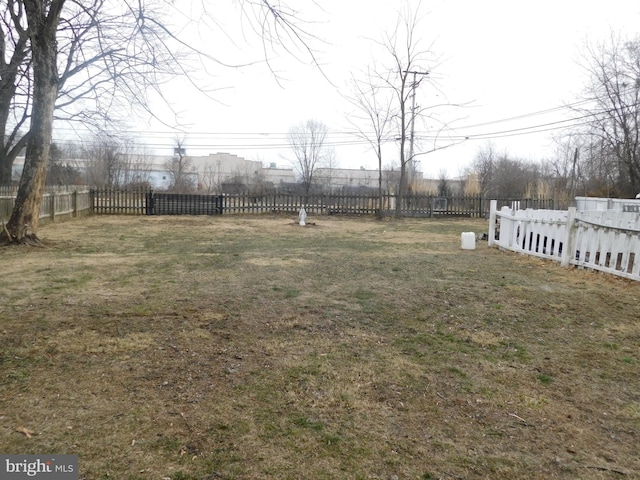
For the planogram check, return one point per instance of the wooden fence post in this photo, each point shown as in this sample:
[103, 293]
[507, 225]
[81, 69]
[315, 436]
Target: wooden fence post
[52, 212]
[149, 207]
[569, 243]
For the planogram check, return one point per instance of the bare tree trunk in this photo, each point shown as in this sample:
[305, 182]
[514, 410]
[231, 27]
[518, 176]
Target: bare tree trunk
[5, 171]
[380, 212]
[12, 71]
[23, 224]
[402, 190]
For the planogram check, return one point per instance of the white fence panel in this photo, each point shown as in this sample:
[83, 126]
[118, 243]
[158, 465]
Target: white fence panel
[609, 241]
[605, 240]
[534, 232]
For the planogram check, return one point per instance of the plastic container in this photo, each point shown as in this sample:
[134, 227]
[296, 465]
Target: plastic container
[468, 240]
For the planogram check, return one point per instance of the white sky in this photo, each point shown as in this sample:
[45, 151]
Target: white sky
[508, 58]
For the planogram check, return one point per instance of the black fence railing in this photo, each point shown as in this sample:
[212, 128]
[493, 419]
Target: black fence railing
[183, 204]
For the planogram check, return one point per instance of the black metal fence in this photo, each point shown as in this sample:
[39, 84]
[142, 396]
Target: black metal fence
[183, 204]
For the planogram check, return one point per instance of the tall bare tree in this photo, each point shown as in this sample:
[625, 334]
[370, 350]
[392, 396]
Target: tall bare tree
[97, 53]
[98, 48]
[308, 142]
[42, 21]
[374, 118]
[409, 65]
[614, 73]
[14, 64]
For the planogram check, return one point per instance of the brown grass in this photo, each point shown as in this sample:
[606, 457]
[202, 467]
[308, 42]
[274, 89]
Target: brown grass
[251, 348]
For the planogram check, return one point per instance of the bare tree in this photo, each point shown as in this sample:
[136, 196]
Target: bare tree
[74, 54]
[409, 66]
[111, 162]
[135, 164]
[42, 21]
[501, 176]
[14, 65]
[210, 179]
[614, 73]
[564, 167]
[61, 169]
[102, 162]
[99, 53]
[483, 168]
[374, 105]
[179, 169]
[101, 63]
[307, 140]
[444, 189]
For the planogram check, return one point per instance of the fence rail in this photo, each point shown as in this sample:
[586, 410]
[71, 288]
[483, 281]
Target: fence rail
[608, 241]
[12, 190]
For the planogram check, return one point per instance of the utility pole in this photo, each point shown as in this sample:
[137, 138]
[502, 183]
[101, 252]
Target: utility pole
[413, 121]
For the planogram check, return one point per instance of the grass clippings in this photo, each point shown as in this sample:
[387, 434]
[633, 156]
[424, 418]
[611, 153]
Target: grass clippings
[188, 348]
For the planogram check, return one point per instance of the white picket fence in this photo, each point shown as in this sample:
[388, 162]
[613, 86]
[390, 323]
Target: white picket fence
[605, 240]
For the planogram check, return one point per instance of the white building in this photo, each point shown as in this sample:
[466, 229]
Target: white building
[208, 174]
[228, 173]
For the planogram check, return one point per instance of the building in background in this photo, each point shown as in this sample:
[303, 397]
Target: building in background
[228, 173]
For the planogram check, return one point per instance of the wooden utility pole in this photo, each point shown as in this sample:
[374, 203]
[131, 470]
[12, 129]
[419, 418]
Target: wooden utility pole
[410, 170]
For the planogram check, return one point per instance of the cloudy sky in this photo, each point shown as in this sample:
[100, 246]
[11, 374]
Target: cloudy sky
[513, 65]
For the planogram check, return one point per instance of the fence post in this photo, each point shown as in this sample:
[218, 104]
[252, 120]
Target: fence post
[568, 245]
[150, 207]
[52, 197]
[492, 222]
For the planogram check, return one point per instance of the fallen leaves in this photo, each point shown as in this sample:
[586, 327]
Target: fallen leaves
[26, 431]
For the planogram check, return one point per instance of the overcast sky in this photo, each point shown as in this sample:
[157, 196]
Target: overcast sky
[505, 60]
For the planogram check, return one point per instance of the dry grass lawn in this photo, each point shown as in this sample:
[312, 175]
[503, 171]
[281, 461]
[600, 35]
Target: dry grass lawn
[197, 348]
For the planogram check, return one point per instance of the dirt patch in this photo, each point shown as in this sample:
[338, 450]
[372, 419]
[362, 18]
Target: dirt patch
[281, 262]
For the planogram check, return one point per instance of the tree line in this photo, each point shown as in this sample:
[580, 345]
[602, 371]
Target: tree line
[600, 154]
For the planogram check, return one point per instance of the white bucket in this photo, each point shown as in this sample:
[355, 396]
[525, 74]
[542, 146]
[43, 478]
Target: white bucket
[468, 240]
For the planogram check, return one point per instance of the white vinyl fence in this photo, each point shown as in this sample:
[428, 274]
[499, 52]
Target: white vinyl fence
[605, 240]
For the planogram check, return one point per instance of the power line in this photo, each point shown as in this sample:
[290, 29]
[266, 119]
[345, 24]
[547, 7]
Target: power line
[340, 138]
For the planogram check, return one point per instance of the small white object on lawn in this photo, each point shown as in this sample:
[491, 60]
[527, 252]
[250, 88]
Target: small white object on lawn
[468, 240]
